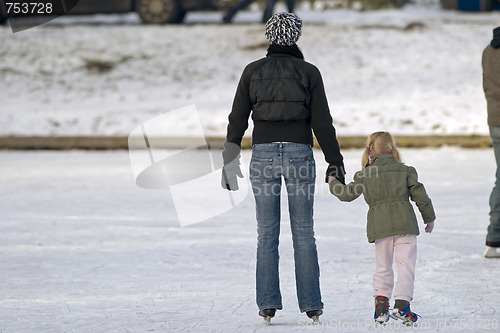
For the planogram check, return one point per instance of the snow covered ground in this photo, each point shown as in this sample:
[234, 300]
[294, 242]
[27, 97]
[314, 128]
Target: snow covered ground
[105, 75]
[83, 249]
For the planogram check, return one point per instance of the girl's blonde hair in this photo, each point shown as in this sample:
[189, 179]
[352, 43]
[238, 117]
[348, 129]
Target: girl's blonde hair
[379, 142]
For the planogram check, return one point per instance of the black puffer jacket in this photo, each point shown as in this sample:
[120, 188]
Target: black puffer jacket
[278, 93]
[287, 97]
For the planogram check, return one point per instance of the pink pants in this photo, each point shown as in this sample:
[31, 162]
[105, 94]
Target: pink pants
[405, 247]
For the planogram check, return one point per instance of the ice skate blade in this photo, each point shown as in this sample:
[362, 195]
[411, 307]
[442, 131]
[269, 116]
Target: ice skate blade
[382, 319]
[377, 324]
[491, 252]
[267, 320]
[408, 323]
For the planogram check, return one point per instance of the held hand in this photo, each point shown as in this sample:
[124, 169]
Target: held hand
[229, 180]
[429, 227]
[336, 171]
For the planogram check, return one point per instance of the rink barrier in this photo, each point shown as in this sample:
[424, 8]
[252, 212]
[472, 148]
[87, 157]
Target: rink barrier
[121, 142]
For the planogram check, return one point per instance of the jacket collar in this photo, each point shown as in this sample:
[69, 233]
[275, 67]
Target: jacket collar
[382, 157]
[292, 50]
[280, 55]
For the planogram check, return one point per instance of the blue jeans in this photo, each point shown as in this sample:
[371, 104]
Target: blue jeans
[295, 164]
[493, 236]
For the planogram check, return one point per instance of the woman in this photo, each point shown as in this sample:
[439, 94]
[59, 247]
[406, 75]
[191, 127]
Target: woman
[287, 100]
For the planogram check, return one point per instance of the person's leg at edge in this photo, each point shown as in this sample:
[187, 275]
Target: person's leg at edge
[493, 236]
[383, 279]
[300, 184]
[406, 258]
[268, 11]
[266, 186]
[228, 17]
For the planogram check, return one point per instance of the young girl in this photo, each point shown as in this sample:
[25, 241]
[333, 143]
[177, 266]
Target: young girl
[387, 185]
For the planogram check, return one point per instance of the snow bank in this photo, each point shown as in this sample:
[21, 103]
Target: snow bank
[410, 71]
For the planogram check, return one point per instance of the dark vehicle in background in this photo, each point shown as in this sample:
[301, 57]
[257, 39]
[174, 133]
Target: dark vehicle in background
[150, 11]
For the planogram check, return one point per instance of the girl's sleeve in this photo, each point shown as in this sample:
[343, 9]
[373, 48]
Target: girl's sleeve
[347, 192]
[420, 197]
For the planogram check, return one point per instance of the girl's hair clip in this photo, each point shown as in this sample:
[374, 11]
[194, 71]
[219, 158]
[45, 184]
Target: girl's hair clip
[394, 146]
[367, 147]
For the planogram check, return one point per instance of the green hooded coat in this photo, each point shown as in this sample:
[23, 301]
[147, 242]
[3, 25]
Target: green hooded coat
[387, 186]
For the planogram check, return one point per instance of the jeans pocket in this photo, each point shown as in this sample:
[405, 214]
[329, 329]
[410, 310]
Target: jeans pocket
[261, 168]
[302, 169]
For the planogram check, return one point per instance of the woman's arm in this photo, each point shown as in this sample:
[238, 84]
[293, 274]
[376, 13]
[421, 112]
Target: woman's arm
[238, 119]
[322, 125]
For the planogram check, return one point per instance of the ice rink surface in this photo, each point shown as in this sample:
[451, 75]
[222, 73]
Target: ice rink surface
[83, 249]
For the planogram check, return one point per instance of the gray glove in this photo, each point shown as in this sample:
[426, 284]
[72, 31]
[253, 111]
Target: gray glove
[229, 180]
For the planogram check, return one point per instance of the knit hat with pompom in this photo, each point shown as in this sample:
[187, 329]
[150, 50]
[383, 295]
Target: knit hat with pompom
[283, 29]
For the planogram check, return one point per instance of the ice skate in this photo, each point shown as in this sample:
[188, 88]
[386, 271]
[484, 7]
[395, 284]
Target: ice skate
[402, 311]
[314, 315]
[267, 314]
[381, 315]
[491, 252]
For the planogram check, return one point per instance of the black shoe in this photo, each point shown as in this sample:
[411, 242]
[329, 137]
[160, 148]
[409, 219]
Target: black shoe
[493, 244]
[267, 313]
[314, 314]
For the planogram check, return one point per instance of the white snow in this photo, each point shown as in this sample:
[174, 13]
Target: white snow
[377, 74]
[85, 250]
